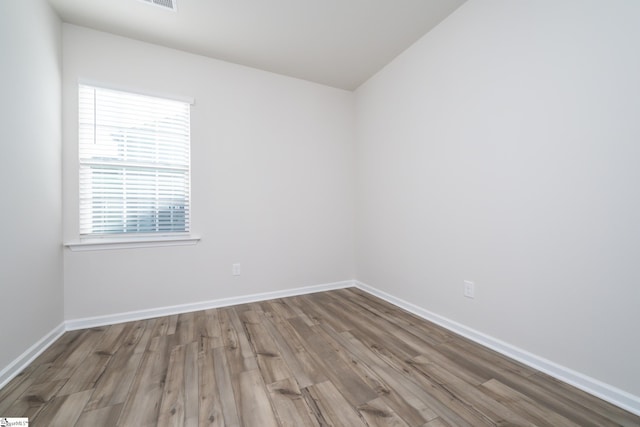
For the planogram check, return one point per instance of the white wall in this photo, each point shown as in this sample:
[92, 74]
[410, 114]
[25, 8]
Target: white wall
[30, 145]
[271, 181]
[503, 147]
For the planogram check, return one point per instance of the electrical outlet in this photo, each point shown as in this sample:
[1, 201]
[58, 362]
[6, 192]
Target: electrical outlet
[469, 289]
[235, 269]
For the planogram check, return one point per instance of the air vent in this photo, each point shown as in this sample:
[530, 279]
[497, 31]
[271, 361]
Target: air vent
[165, 4]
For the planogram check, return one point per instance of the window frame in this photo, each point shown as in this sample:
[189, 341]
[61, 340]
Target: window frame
[104, 241]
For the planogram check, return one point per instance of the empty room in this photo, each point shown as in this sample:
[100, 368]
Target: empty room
[320, 213]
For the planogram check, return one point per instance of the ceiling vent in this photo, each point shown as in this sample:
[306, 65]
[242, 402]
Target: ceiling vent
[165, 4]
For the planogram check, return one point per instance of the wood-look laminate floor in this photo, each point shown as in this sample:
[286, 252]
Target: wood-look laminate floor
[339, 358]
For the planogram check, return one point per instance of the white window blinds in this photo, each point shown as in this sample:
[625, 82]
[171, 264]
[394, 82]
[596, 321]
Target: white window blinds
[134, 163]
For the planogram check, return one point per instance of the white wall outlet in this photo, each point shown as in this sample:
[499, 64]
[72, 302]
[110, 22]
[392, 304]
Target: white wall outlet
[235, 269]
[469, 289]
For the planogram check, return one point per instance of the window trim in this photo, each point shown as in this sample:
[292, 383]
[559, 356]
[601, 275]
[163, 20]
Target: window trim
[135, 90]
[125, 242]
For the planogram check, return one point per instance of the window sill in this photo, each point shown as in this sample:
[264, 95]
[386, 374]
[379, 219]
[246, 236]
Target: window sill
[102, 244]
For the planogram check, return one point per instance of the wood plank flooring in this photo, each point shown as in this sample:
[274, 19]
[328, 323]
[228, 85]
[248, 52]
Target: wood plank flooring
[338, 358]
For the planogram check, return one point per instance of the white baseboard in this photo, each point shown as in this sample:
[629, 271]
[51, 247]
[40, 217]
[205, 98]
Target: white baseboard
[110, 319]
[15, 367]
[22, 361]
[590, 385]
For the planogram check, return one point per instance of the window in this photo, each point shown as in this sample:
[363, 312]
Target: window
[134, 164]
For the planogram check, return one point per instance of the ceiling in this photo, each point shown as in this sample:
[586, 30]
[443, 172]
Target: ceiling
[339, 43]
